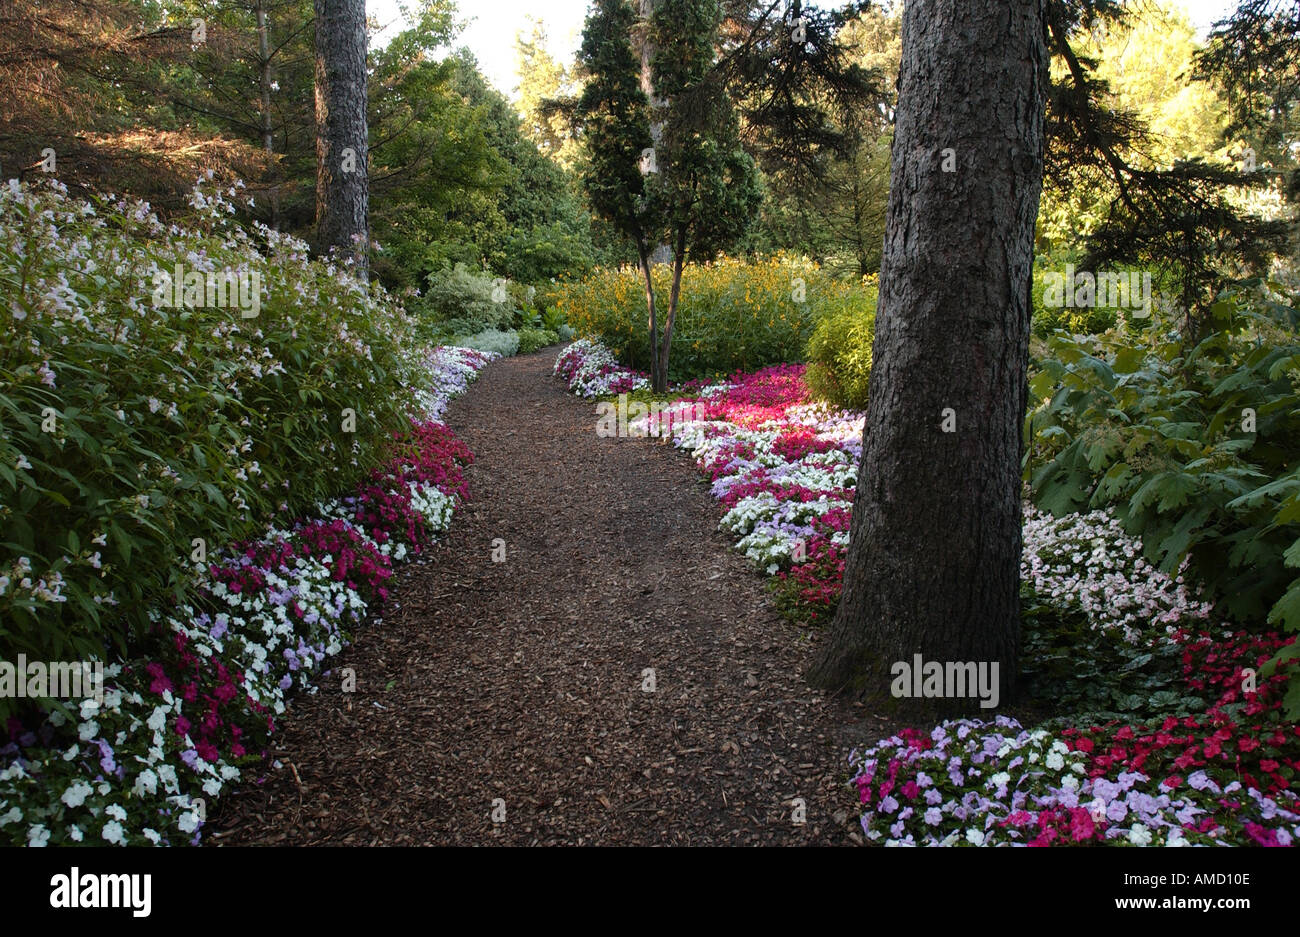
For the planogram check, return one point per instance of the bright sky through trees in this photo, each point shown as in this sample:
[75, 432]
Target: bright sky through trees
[495, 23]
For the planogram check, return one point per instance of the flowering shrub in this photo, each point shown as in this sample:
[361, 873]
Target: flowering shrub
[732, 315]
[134, 423]
[180, 422]
[178, 724]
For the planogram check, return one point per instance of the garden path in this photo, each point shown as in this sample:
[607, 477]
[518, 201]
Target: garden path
[521, 688]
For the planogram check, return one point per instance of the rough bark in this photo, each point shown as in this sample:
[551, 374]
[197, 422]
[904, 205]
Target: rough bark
[934, 561]
[656, 253]
[342, 190]
[264, 84]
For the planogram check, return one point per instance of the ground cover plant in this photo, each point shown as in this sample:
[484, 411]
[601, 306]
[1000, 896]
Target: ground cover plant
[1163, 723]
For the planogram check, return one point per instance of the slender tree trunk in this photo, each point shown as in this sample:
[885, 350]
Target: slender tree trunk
[342, 190]
[934, 561]
[643, 260]
[264, 80]
[679, 262]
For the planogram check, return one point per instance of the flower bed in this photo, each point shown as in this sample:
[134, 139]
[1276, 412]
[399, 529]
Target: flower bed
[785, 470]
[590, 369]
[180, 723]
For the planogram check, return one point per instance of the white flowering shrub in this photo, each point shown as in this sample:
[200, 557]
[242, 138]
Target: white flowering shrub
[139, 413]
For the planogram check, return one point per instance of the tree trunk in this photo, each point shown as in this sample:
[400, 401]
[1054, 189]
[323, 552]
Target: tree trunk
[264, 82]
[674, 296]
[934, 561]
[643, 260]
[342, 190]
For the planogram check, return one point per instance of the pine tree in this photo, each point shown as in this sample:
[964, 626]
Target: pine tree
[934, 555]
[342, 143]
[672, 170]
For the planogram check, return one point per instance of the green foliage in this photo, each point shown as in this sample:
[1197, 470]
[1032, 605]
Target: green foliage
[689, 186]
[733, 315]
[531, 340]
[837, 214]
[1067, 666]
[130, 426]
[1196, 449]
[613, 114]
[463, 302]
[706, 190]
[839, 352]
[1048, 318]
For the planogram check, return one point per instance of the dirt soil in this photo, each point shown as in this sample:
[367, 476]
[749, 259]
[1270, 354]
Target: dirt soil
[512, 702]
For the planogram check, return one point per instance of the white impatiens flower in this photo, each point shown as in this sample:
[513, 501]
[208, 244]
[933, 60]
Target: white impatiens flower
[146, 782]
[114, 833]
[76, 795]
[1139, 835]
[1054, 761]
[975, 837]
[38, 835]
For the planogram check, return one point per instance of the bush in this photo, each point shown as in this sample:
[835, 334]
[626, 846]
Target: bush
[462, 302]
[532, 339]
[131, 428]
[839, 352]
[733, 315]
[492, 341]
[1196, 449]
[182, 719]
[1089, 320]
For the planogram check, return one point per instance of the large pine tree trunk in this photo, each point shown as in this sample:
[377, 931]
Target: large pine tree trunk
[342, 190]
[934, 558]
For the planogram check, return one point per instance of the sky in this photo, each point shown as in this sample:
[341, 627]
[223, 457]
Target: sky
[493, 25]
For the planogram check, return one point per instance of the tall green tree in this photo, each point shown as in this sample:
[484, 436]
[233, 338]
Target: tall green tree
[1181, 221]
[670, 171]
[542, 79]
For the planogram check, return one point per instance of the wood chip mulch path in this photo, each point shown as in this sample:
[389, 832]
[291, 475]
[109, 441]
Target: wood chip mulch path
[521, 688]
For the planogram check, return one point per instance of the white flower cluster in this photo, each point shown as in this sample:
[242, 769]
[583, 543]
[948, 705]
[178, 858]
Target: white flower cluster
[142, 789]
[598, 372]
[1086, 561]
